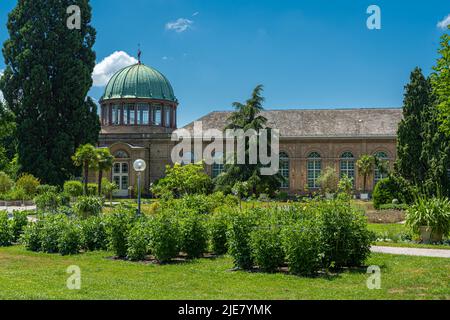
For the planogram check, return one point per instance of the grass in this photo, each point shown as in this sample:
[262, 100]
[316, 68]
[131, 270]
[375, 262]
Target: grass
[27, 275]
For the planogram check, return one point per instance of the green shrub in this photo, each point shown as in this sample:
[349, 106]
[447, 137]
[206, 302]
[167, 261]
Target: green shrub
[282, 196]
[433, 212]
[138, 241]
[28, 183]
[18, 223]
[218, 226]
[390, 189]
[301, 243]
[399, 207]
[31, 237]
[267, 250]
[52, 225]
[44, 188]
[47, 202]
[69, 239]
[73, 188]
[88, 206]
[6, 183]
[118, 226]
[239, 241]
[6, 234]
[93, 234]
[345, 238]
[164, 237]
[92, 189]
[17, 194]
[194, 235]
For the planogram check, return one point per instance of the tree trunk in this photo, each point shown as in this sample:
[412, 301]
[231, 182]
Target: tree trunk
[100, 177]
[86, 176]
[365, 183]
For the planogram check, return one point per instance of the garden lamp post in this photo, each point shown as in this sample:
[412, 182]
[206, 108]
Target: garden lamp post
[139, 166]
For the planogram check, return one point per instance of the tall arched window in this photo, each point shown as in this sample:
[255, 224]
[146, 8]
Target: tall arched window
[379, 174]
[218, 166]
[284, 170]
[314, 169]
[347, 165]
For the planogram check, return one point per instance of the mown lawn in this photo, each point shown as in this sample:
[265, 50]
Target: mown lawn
[27, 275]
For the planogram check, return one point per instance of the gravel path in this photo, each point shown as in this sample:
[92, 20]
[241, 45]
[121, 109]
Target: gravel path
[439, 253]
[12, 209]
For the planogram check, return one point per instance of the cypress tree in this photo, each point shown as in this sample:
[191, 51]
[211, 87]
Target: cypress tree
[410, 163]
[45, 83]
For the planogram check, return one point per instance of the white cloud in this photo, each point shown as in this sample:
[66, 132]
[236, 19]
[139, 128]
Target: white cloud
[180, 25]
[104, 70]
[195, 13]
[444, 23]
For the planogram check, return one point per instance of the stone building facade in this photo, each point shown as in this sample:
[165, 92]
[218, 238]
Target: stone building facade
[138, 116]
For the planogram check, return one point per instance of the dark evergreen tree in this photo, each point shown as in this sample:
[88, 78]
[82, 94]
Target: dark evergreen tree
[47, 77]
[247, 117]
[410, 163]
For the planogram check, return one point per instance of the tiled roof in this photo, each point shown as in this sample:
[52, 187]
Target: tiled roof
[320, 122]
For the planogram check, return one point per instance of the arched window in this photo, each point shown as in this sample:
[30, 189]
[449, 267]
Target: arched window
[218, 166]
[314, 169]
[379, 174]
[347, 165]
[284, 170]
[121, 155]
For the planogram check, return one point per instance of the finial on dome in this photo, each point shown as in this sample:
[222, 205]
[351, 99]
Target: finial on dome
[139, 53]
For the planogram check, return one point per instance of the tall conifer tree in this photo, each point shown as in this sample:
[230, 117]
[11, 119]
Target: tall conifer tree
[46, 80]
[410, 163]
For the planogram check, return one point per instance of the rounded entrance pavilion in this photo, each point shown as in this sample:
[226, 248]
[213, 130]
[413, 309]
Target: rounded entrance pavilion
[138, 114]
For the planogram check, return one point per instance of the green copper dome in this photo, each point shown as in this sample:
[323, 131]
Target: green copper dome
[139, 81]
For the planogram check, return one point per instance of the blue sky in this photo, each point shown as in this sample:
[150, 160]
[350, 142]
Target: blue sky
[307, 54]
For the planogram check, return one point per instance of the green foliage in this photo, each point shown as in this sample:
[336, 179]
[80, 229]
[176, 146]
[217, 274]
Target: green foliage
[31, 237]
[28, 183]
[93, 234]
[365, 165]
[395, 206]
[44, 188]
[328, 180]
[48, 202]
[345, 185]
[441, 83]
[69, 239]
[391, 188]
[344, 236]
[164, 237]
[50, 232]
[433, 212]
[218, 225]
[118, 226]
[248, 117]
[181, 180]
[16, 194]
[92, 189]
[6, 234]
[193, 235]
[88, 206]
[104, 162]
[302, 244]
[108, 188]
[138, 241]
[73, 188]
[18, 223]
[6, 183]
[267, 250]
[200, 204]
[239, 240]
[46, 88]
[86, 157]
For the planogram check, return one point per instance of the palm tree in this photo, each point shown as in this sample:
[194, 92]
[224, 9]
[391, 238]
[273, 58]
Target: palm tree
[104, 163]
[86, 157]
[365, 166]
